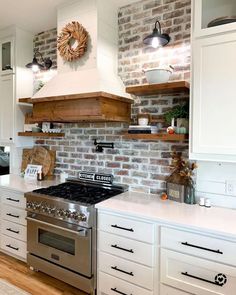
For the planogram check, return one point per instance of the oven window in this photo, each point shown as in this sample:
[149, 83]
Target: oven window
[56, 241]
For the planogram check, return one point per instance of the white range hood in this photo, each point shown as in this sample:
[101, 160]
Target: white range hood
[96, 71]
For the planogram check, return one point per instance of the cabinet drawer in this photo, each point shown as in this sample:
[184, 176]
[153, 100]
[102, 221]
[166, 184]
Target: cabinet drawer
[112, 286]
[13, 246]
[14, 214]
[126, 270]
[13, 230]
[202, 246]
[166, 290]
[13, 199]
[196, 275]
[142, 231]
[126, 248]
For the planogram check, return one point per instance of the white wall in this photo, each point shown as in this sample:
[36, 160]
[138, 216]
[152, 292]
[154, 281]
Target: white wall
[217, 181]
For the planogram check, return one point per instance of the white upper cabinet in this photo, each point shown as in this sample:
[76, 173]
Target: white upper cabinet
[7, 56]
[16, 50]
[7, 108]
[207, 11]
[213, 96]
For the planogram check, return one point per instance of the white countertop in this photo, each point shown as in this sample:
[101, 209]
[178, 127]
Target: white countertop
[218, 220]
[18, 183]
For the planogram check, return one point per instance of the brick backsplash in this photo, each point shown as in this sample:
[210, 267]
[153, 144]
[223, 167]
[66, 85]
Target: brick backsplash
[143, 165]
[46, 43]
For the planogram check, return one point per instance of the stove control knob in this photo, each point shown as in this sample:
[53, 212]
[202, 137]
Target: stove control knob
[29, 205]
[60, 212]
[51, 210]
[70, 214]
[83, 217]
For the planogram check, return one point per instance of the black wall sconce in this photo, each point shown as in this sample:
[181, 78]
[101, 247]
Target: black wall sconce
[35, 65]
[101, 145]
[157, 39]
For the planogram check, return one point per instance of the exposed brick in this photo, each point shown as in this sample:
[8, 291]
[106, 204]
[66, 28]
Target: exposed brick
[113, 164]
[143, 165]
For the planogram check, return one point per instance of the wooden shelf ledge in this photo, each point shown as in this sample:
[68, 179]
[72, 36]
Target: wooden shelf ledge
[41, 134]
[159, 136]
[154, 89]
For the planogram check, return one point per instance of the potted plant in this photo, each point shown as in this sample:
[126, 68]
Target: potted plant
[181, 114]
[180, 184]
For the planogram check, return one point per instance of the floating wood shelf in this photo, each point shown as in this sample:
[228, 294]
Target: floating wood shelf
[159, 136]
[41, 134]
[153, 89]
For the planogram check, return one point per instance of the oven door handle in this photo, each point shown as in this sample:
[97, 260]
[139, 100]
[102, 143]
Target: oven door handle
[59, 227]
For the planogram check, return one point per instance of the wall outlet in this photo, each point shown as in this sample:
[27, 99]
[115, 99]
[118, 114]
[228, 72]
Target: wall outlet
[230, 187]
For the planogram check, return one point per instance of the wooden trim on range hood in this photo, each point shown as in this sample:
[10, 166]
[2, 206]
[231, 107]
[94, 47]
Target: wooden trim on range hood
[89, 107]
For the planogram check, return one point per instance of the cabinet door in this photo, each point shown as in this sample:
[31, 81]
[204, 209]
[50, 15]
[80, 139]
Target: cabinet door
[206, 11]
[6, 110]
[166, 290]
[6, 56]
[213, 98]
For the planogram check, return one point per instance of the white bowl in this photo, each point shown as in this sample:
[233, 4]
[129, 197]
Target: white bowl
[157, 76]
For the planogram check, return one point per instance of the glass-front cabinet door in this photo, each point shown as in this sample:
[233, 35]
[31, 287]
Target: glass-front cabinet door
[213, 16]
[7, 56]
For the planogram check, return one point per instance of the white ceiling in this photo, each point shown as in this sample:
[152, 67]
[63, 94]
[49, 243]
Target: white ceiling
[35, 15]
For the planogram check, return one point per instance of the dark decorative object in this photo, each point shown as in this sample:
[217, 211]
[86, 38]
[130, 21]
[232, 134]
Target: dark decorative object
[221, 279]
[35, 65]
[180, 185]
[157, 39]
[101, 145]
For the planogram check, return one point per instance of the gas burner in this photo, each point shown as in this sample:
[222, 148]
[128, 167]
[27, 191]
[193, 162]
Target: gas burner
[81, 192]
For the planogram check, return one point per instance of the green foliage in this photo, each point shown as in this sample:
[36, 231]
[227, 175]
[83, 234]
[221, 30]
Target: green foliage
[179, 111]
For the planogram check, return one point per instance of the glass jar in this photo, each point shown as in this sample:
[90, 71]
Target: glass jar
[189, 193]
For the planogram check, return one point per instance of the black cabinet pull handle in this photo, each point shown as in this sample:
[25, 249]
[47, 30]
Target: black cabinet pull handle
[12, 215]
[123, 249]
[123, 271]
[119, 292]
[13, 200]
[14, 248]
[204, 280]
[202, 248]
[120, 227]
[13, 231]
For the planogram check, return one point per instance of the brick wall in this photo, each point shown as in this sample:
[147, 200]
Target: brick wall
[143, 165]
[137, 21]
[46, 44]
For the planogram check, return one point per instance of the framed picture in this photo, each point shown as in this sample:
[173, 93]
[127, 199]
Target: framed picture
[175, 192]
[31, 171]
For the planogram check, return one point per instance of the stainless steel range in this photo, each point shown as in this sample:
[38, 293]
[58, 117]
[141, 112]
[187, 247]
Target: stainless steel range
[61, 228]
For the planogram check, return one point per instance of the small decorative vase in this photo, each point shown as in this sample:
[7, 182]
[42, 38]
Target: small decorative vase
[189, 194]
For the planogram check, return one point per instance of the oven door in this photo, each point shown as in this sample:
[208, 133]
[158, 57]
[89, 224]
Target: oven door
[67, 245]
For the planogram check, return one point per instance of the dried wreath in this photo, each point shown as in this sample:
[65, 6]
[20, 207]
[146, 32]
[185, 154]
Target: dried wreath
[73, 31]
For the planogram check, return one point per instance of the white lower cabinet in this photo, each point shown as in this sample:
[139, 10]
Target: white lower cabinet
[166, 290]
[126, 256]
[196, 275]
[13, 223]
[164, 260]
[110, 285]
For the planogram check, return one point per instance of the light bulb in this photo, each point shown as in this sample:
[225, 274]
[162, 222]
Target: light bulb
[155, 42]
[35, 68]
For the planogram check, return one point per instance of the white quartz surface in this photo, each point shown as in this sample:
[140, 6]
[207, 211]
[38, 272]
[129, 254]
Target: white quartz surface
[18, 183]
[218, 220]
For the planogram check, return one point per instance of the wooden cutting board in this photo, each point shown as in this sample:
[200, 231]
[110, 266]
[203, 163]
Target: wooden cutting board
[39, 156]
